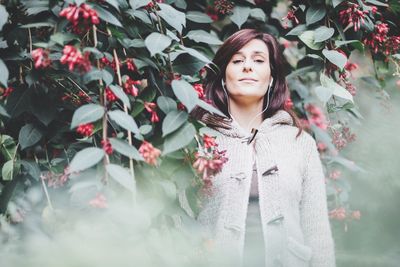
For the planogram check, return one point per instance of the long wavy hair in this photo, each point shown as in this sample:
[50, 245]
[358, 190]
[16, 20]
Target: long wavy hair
[216, 72]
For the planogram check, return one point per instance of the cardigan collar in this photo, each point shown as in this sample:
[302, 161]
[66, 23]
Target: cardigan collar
[230, 127]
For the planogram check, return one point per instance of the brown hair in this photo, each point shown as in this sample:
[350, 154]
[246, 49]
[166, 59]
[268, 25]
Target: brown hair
[280, 92]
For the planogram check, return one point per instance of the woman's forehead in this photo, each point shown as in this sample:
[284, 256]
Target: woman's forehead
[254, 47]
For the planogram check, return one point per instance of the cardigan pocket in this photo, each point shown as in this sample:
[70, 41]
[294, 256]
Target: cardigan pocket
[300, 250]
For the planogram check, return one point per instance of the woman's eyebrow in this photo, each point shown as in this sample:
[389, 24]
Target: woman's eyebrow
[255, 52]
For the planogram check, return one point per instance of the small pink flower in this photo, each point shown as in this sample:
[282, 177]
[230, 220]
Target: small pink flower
[150, 107]
[209, 142]
[335, 174]
[288, 104]
[356, 215]
[99, 201]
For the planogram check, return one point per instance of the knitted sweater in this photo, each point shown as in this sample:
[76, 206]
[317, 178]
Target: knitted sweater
[292, 196]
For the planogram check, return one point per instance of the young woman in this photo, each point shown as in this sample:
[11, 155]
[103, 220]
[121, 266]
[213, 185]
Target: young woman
[267, 207]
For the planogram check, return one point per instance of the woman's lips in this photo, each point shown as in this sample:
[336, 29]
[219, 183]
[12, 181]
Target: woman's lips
[248, 80]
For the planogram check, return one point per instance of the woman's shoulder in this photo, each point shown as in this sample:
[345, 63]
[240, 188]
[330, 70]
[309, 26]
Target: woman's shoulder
[291, 133]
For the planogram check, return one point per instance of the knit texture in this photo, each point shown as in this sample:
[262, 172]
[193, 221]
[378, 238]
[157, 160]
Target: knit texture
[292, 195]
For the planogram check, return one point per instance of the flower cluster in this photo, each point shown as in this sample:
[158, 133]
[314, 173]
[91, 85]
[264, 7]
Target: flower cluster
[352, 15]
[198, 87]
[151, 107]
[55, 180]
[75, 59]
[341, 214]
[378, 40]
[223, 6]
[107, 146]
[85, 129]
[82, 17]
[130, 87]
[149, 153]
[131, 65]
[317, 117]
[111, 97]
[41, 58]
[209, 160]
[343, 137]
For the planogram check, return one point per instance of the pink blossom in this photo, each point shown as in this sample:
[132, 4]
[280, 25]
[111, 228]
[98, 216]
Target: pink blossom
[99, 201]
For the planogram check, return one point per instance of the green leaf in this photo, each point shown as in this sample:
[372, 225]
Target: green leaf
[323, 93]
[204, 105]
[172, 16]
[32, 168]
[3, 111]
[122, 176]
[93, 75]
[157, 42]
[166, 104]
[145, 129]
[185, 93]
[143, 16]
[85, 159]
[179, 139]
[299, 29]
[107, 77]
[106, 15]
[195, 53]
[201, 36]
[173, 121]
[135, 4]
[335, 3]
[87, 113]
[335, 87]
[62, 38]
[120, 94]
[3, 16]
[355, 43]
[240, 15]
[335, 57]
[396, 56]
[126, 149]
[307, 37]
[186, 64]
[29, 135]
[323, 33]
[315, 14]
[377, 3]
[9, 170]
[3, 73]
[18, 102]
[258, 13]
[114, 3]
[198, 17]
[124, 120]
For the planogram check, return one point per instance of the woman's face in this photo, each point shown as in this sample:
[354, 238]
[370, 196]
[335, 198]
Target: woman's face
[248, 73]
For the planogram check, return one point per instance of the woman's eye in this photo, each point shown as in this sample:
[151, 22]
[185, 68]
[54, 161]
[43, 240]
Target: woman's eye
[237, 61]
[259, 61]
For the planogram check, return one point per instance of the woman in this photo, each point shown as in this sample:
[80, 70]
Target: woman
[267, 206]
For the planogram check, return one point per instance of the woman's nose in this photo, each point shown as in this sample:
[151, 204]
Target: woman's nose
[247, 65]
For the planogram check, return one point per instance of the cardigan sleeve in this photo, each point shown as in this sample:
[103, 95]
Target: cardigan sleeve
[314, 211]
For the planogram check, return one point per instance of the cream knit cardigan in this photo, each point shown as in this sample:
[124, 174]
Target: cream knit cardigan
[292, 197]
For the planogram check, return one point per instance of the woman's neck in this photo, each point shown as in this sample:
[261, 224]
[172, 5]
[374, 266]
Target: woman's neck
[247, 115]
